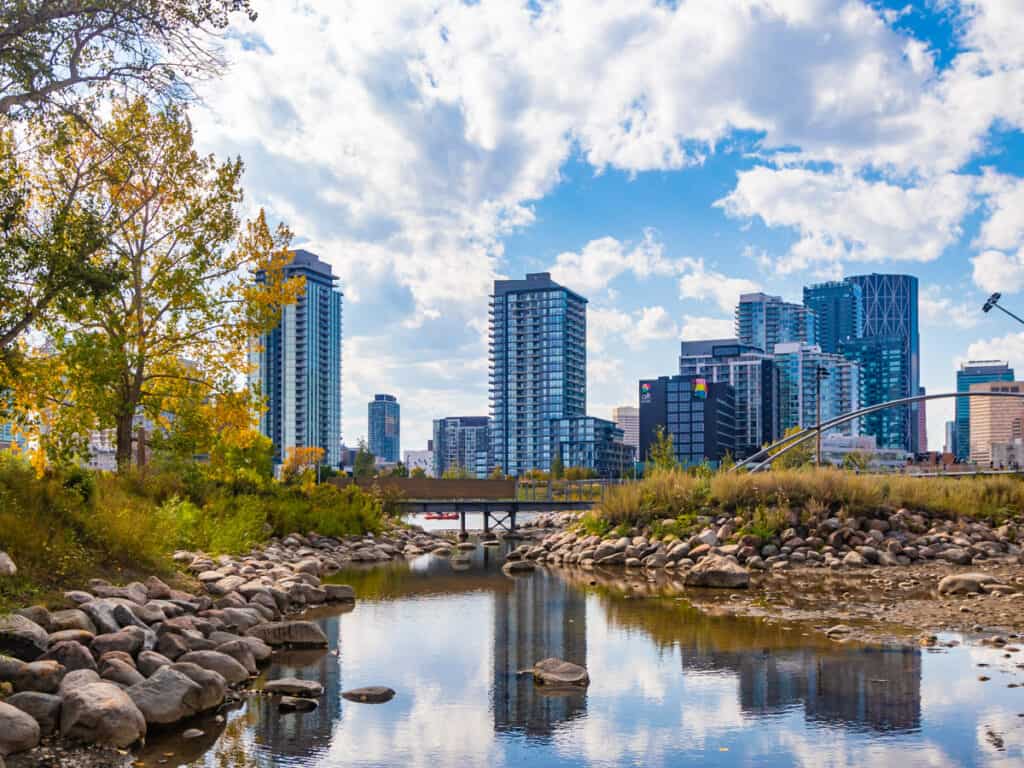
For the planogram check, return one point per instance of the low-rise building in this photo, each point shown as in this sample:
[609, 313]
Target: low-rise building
[699, 415]
[838, 450]
[420, 460]
[591, 443]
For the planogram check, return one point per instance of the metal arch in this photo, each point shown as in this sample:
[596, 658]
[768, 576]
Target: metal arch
[792, 441]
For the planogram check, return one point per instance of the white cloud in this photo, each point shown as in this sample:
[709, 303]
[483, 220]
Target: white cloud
[699, 283]
[998, 271]
[1004, 229]
[653, 323]
[602, 261]
[707, 328]
[941, 311]
[1009, 347]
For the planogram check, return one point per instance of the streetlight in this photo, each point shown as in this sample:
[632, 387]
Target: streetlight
[822, 373]
[993, 301]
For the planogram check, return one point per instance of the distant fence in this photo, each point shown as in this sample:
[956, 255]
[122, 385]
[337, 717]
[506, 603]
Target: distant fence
[430, 489]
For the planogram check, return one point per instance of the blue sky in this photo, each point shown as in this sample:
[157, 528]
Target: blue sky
[657, 157]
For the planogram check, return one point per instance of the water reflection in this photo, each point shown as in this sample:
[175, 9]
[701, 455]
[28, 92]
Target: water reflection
[671, 685]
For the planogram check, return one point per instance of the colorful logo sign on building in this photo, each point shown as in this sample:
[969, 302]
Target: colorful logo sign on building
[700, 389]
[645, 392]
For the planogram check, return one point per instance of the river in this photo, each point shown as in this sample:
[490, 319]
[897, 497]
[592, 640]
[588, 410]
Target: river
[670, 686]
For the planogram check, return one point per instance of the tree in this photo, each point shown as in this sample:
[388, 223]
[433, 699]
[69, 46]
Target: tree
[497, 473]
[456, 472]
[418, 472]
[366, 463]
[176, 331]
[800, 456]
[399, 470]
[55, 52]
[557, 468]
[662, 455]
[300, 459]
[857, 461]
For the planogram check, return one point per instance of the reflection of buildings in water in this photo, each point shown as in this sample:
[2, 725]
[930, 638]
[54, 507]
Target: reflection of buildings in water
[541, 617]
[873, 688]
[301, 734]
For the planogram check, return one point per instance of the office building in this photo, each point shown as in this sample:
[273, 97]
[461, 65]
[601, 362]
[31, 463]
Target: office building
[839, 308]
[297, 365]
[836, 449]
[591, 443]
[995, 419]
[751, 373]
[1008, 455]
[797, 366]
[699, 415]
[973, 372]
[627, 418]
[385, 425]
[922, 422]
[462, 442]
[951, 436]
[538, 368]
[420, 460]
[763, 321]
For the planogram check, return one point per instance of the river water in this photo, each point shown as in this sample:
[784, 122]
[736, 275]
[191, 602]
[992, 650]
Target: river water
[670, 686]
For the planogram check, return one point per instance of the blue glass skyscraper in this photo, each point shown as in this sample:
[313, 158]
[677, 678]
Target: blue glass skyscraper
[297, 366]
[839, 306]
[385, 420]
[763, 321]
[973, 372]
[538, 368]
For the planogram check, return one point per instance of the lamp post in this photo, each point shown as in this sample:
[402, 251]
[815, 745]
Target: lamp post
[993, 301]
[820, 374]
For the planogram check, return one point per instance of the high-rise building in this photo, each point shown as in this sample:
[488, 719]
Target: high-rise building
[889, 357]
[839, 307]
[385, 426]
[463, 442]
[974, 372]
[950, 444]
[922, 422]
[591, 443]
[420, 460]
[995, 419]
[627, 418]
[297, 365]
[699, 415]
[797, 366]
[763, 321]
[538, 368]
[751, 373]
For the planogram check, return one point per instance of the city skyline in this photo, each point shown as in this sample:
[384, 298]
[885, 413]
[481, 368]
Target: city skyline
[662, 196]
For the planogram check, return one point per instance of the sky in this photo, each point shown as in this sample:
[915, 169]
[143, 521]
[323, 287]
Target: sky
[659, 157]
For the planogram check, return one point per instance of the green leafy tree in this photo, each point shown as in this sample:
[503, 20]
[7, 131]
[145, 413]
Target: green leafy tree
[800, 456]
[399, 470]
[856, 460]
[365, 464]
[557, 468]
[456, 472]
[662, 455]
[418, 472]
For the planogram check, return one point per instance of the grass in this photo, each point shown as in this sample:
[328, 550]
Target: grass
[67, 527]
[670, 501]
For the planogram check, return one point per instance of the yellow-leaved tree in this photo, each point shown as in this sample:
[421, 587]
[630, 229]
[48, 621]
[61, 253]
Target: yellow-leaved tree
[172, 337]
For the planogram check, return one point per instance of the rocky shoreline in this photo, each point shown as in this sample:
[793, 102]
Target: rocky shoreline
[81, 684]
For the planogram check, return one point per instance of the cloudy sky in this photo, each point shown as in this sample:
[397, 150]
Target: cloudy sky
[658, 156]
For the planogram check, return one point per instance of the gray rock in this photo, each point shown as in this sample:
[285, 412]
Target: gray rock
[518, 566]
[40, 677]
[21, 638]
[290, 686]
[77, 679]
[854, 559]
[43, 707]
[18, 730]
[294, 704]
[116, 641]
[221, 663]
[192, 733]
[156, 589]
[373, 694]
[966, 583]
[102, 614]
[125, 675]
[718, 572]
[240, 652]
[71, 656]
[166, 697]
[149, 662]
[956, 556]
[293, 633]
[7, 566]
[101, 713]
[38, 614]
[213, 686]
[560, 673]
[81, 636]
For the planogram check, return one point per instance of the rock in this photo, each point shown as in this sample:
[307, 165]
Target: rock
[80, 636]
[122, 640]
[240, 652]
[102, 614]
[172, 646]
[956, 556]
[719, 572]
[965, 583]
[150, 661]
[293, 704]
[213, 686]
[71, 656]
[77, 679]
[21, 638]
[854, 559]
[260, 650]
[373, 694]
[156, 589]
[18, 730]
[7, 566]
[221, 663]
[43, 707]
[101, 713]
[40, 676]
[125, 675]
[290, 686]
[518, 566]
[11, 669]
[166, 697]
[38, 614]
[560, 673]
[295, 633]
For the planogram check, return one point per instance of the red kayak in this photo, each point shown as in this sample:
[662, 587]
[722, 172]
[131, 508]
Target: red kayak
[439, 516]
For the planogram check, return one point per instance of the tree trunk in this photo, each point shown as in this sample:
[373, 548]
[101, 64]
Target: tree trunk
[124, 439]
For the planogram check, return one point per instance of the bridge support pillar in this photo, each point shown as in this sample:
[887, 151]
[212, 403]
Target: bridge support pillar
[463, 535]
[487, 520]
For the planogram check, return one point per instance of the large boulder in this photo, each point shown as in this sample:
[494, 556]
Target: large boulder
[560, 673]
[166, 697]
[290, 686]
[18, 730]
[220, 663]
[122, 640]
[213, 687]
[122, 673]
[101, 713]
[295, 633]
[340, 593]
[71, 656]
[240, 652]
[719, 572]
[101, 612]
[21, 638]
[79, 678]
[40, 676]
[43, 707]
[150, 661]
[966, 583]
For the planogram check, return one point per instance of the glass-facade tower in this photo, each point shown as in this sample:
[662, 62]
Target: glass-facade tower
[462, 441]
[385, 425]
[297, 365]
[973, 372]
[538, 368]
[797, 367]
[839, 306]
[763, 321]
